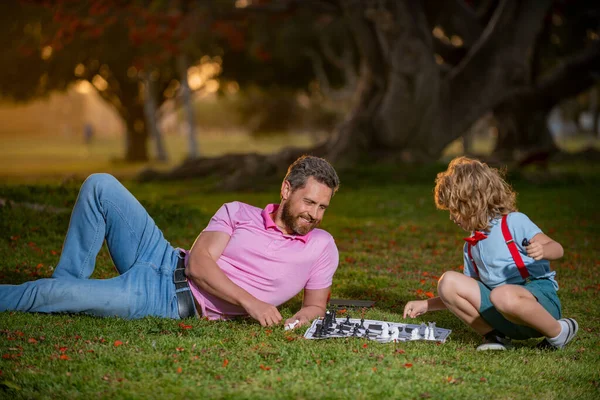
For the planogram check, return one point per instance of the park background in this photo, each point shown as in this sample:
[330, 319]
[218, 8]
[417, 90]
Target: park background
[196, 103]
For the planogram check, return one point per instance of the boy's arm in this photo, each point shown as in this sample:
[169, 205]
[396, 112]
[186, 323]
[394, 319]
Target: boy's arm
[543, 247]
[419, 307]
[203, 269]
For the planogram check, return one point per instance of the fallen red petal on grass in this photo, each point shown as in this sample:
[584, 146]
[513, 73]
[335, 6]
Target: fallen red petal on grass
[225, 362]
[32, 340]
[117, 343]
[62, 349]
[64, 357]
[429, 294]
[264, 367]
[184, 326]
[179, 370]
[407, 365]
[365, 346]
[482, 379]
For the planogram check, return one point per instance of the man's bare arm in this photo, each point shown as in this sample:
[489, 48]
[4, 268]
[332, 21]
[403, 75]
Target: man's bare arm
[202, 268]
[314, 305]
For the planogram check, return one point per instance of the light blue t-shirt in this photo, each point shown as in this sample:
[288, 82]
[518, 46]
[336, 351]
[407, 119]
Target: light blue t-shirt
[493, 259]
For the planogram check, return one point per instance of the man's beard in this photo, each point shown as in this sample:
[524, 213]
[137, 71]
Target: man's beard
[292, 224]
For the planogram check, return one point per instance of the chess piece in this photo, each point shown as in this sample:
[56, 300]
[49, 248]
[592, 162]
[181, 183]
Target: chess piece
[318, 330]
[348, 319]
[395, 333]
[415, 334]
[291, 325]
[385, 334]
[426, 332]
[362, 322]
[366, 333]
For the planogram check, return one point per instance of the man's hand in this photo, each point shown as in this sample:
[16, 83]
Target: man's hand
[265, 313]
[415, 308]
[301, 320]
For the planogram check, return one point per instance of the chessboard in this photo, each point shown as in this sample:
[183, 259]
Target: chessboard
[380, 331]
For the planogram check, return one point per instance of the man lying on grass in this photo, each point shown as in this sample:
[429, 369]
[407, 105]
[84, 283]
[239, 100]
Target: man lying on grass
[247, 261]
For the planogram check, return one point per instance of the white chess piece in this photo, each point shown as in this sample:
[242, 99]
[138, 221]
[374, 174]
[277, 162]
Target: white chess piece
[426, 333]
[395, 333]
[385, 331]
[291, 325]
[431, 331]
[414, 335]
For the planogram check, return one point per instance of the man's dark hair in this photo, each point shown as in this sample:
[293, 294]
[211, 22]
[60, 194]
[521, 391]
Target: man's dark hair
[307, 166]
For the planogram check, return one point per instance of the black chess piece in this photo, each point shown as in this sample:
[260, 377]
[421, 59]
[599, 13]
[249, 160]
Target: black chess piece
[362, 322]
[355, 333]
[348, 319]
[367, 332]
[318, 330]
[525, 242]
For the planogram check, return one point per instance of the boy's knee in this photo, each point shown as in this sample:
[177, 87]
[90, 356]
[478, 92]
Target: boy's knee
[502, 299]
[448, 284]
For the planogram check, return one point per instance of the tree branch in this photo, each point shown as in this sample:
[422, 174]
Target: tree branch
[454, 16]
[495, 64]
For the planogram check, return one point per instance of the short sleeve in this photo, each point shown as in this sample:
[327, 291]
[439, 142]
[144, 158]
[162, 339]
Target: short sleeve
[322, 273]
[521, 227]
[224, 219]
[469, 270]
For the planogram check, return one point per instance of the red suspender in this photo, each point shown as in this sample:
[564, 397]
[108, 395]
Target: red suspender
[512, 247]
[469, 245]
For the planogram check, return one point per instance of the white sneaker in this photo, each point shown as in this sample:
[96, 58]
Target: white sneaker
[494, 342]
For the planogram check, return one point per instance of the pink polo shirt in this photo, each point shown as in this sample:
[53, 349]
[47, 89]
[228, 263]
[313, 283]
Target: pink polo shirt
[269, 264]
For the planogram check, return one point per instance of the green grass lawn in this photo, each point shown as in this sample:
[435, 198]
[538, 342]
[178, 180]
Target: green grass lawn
[393, 246]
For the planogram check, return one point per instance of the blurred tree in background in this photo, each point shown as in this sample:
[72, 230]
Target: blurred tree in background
[408, 77]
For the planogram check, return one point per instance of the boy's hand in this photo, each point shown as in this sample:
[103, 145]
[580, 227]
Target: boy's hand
[415, 308]
[535, 250]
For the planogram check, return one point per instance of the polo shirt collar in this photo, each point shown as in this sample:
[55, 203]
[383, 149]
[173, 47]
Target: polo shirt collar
[270, 224]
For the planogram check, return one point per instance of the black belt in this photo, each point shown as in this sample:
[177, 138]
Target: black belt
[185, 299]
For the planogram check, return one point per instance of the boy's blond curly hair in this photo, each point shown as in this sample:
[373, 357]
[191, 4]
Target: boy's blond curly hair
[474, 193]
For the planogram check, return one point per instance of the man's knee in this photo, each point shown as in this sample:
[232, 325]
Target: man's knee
[98, 181]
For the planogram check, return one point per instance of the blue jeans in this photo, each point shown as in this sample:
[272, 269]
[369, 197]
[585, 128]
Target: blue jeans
[105, 210]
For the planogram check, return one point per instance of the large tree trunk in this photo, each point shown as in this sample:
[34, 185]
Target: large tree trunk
[407, 105]
[123, 94]
[136, 137]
